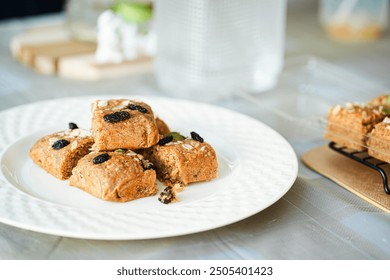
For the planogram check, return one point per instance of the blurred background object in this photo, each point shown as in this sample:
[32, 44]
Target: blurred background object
[92, 40]
[124, 32]
[82, 16]
[21, 8]
[354, 20]
[209, 49]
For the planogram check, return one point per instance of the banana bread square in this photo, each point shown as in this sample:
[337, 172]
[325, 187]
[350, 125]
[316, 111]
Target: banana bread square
[183, 161]
[122, 123]
[58, 153]
[117, 176]
[349, 126]
[378, 142]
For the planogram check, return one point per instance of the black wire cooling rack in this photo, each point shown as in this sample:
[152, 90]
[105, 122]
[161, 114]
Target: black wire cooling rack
[365, 159]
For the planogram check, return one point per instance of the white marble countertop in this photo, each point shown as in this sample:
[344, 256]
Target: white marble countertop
[316, 219]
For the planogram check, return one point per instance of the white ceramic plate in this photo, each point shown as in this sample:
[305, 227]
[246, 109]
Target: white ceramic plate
[256, 168]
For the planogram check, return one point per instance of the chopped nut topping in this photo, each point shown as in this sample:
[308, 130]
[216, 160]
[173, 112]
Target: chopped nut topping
[336, 109]
[386, 120]
[350, 108]
[364, 115]
[52, 140]
[78, 133]
[130, 153]
[187, 146]
[102, 103]
[125, 103]
[74, 145]
[178, 187]
[348, 105]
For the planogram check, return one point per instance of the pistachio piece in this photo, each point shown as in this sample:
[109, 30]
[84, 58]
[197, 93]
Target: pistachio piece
[176, 136]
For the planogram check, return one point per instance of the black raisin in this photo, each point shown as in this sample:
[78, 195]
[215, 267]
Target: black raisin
[73, 125]
[196, 137]
[165, 140]
[59, 144]
[142, 109]
[117, 117]
[132, 107]
[167, 195]
[101, 158]
[138, 108]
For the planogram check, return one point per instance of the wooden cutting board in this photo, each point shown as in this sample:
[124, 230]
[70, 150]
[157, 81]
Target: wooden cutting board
[52, 51]
[84, 67]
[353, 176]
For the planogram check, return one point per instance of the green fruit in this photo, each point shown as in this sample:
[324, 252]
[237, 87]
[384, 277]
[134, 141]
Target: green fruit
[386, 111]
[176, 136]
[133, 12]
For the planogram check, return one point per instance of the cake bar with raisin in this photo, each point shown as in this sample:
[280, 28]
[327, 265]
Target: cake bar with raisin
[179, 161]
[122, 123]
[58, 153]
[118, 176]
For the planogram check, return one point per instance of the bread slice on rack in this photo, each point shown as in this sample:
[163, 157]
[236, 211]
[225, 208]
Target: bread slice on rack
[349, 126]
[378, 142]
